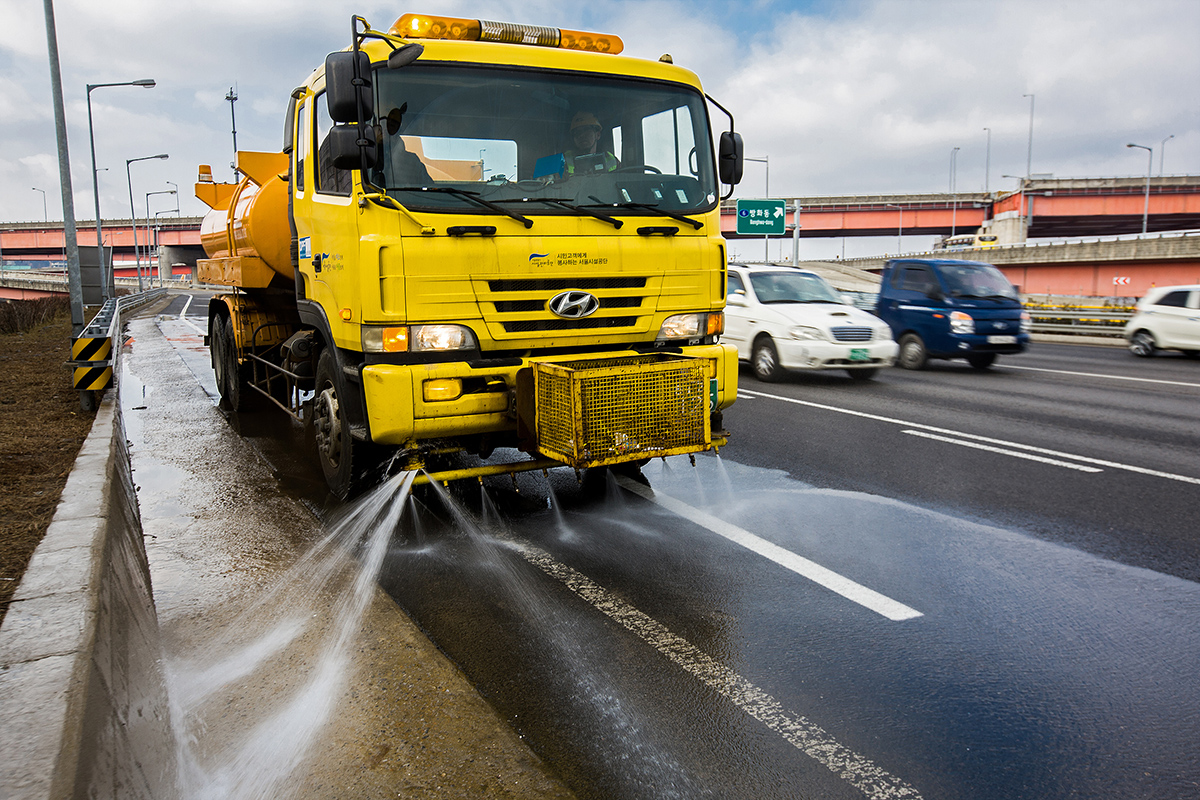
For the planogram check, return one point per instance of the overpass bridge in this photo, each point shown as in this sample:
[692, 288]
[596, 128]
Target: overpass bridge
[1105, 267]
[1040, 207]
[44, 243]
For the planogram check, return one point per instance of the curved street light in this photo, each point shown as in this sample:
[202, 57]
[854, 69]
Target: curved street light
[1162, 153]
[899, 227]
[45, 213]
[108, 288]
[1149, 170]
[133, 212]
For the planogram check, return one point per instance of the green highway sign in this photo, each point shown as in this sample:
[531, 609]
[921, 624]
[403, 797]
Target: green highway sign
[761, 218]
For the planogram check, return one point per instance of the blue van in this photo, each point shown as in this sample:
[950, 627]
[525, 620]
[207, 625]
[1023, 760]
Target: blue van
[946, 308]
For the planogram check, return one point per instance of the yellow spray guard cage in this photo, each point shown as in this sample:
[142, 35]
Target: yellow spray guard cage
[592, 413]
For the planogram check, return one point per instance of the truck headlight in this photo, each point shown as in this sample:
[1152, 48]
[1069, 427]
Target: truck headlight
[805, 332]
[961, 322]
[1026, 322]
[417, 338]
[426, 338]
[692, 326]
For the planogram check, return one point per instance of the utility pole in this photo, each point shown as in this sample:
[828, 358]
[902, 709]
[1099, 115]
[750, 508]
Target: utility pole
[232, 98]
[74, 279]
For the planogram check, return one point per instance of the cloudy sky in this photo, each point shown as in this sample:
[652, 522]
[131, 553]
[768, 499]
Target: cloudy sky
[856, 96]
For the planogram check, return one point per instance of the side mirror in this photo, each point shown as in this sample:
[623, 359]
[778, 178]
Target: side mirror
[403, 56]
[729, 158]
[342, 94]
[935, 293]
[735, 300]
[345, 150]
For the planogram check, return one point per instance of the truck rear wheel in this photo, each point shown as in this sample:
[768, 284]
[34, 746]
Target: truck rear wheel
[228, 372]
[348, 465]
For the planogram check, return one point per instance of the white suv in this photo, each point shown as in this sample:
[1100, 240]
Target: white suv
[782, 318]
[1167, 318]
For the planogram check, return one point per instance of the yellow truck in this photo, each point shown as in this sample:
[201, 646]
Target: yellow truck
[480, 236]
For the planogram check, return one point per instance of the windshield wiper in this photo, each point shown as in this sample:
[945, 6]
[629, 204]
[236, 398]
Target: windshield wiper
[646, 207]
[553, 201]
[472, 196]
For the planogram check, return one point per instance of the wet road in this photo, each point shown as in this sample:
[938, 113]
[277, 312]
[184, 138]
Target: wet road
[944, 584]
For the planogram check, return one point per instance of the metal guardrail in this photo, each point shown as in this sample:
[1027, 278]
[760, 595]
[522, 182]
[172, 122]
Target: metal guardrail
[1084, 322]
[94, 353]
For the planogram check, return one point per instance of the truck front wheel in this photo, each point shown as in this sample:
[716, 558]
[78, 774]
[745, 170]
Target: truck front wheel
[347, 464]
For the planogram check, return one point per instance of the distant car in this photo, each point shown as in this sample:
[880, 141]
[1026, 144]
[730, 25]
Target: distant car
[782, 318]
[1167, 318]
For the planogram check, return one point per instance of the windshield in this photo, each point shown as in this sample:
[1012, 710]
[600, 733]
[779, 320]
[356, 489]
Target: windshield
[585, 142]
[976, 280]
[792, 287]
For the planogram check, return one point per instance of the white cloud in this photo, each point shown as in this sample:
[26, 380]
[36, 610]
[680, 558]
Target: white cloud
[854, 97]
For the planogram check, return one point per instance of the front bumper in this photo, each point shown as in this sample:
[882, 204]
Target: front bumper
[399, 412]
[809, 354]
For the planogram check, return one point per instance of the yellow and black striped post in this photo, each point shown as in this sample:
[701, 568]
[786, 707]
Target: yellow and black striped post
[91, 358]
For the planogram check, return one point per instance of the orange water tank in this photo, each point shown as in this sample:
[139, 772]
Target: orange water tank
[249, 219]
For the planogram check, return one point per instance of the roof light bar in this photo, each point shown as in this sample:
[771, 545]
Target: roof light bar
[425, 26]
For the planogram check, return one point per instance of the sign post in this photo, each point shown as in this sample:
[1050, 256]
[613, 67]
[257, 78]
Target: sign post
[764, 218]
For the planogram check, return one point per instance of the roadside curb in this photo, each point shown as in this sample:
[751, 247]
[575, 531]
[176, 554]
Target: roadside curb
[82, 693]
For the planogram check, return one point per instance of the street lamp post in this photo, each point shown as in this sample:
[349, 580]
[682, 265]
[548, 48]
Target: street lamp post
[767, 188]
[899, 227]
[987, 163]
[45, 213]
[133, 212]
[1029, 152]
[148, 267]
[1162, 153]
[108, 288]
[953, 187]
[1149, 170]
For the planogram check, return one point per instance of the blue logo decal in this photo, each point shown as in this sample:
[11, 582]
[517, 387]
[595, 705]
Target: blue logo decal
[532, 256]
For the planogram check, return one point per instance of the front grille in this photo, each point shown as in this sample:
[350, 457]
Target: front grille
[589, 323]
[851, 334]
[559, 284]
[528, 306]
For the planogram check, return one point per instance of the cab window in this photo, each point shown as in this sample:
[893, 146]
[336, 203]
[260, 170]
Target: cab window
[329, 179]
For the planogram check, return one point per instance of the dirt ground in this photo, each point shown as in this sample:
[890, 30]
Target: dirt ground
[41, 430]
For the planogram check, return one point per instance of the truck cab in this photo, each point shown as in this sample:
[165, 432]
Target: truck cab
[948, 308]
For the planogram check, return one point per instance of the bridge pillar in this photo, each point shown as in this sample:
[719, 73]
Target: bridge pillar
[1010, 227]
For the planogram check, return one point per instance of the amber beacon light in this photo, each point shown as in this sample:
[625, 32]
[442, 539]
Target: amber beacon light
[425, 26]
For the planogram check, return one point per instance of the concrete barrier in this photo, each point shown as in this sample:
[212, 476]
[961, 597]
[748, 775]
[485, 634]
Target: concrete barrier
[82, 694]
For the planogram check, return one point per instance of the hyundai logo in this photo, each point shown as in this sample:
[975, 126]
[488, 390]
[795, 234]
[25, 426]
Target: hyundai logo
[1001, 326]
[574, 305]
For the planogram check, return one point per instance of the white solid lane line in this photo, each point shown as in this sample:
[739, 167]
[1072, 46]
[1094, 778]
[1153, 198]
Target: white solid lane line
[1000, 442]
[823, 576]
[1002, 451]
[858, 771]
[1101, 375]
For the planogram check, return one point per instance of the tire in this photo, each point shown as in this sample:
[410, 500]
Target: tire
[981, 361]
[862, 375]
[764, 360]
[1142, 344]
[912, 352]
[349, 466]
[229, 375]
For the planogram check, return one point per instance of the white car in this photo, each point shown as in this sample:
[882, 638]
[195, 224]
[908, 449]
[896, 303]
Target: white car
[1167, 318]
[783, 318]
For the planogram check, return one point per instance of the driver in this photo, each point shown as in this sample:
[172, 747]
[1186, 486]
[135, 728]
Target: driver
[585, 138]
